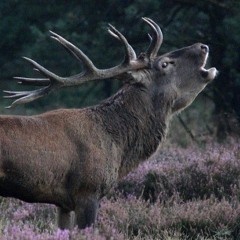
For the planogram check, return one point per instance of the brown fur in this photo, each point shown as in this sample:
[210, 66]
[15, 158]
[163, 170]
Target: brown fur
[71, 157]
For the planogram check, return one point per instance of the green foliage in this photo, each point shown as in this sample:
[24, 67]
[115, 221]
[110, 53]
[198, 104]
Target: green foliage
[24, 31]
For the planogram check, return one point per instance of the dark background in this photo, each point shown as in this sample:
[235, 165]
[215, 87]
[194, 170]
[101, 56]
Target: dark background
[24, 29]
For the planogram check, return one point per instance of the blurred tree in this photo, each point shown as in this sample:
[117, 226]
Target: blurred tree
[24, 31]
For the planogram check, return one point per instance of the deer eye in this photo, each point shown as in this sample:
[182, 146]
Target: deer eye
[164, 64]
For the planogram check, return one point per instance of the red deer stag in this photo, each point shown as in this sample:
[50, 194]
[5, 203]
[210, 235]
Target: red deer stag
[71, 157]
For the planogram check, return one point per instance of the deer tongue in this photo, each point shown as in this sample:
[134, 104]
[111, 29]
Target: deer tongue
[209, 74]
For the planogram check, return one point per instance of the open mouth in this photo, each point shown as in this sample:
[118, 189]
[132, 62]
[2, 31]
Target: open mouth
[208, 74]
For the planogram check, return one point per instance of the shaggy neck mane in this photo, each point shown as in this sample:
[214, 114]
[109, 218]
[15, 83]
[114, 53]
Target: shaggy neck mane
[133, 119]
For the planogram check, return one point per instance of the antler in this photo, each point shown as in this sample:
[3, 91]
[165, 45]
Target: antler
[52, 81]
[155, 40]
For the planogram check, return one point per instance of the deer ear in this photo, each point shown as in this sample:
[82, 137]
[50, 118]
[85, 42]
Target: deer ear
[127, 77]
[139, 77]
[131, 77]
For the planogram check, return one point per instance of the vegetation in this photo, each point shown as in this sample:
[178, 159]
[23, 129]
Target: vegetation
[179, 194]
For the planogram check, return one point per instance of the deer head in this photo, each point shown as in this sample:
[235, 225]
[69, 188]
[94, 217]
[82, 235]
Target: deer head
[184, 71]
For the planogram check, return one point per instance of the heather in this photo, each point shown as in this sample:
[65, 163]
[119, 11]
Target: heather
[190, 193]
[193, 173]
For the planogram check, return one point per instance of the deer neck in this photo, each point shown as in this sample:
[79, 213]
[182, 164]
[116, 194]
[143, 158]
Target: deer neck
[135, 122]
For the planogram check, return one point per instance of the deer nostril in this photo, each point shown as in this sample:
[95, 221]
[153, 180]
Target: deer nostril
[204, 48]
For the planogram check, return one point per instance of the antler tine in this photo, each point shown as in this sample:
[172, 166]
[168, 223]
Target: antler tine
[157, 38]
[74, 51]
[33, 81]
[150, 37]
[15, 94]
[27, 96]
[44, 71]
[130, 53]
